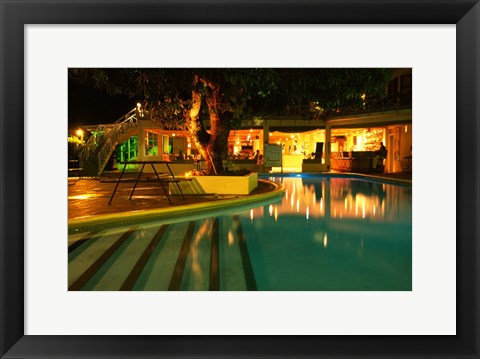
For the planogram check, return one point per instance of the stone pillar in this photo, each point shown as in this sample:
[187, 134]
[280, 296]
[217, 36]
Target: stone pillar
[328, 146]
[266, 135]
[159, 144]
[266, 139]
[141, 141]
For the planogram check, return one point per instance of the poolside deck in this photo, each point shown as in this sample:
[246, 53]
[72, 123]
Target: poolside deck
[90, 196]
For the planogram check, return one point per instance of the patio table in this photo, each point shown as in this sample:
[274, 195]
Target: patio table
[162, 181]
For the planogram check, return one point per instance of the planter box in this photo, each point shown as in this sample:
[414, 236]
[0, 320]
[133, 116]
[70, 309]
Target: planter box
[217, 184]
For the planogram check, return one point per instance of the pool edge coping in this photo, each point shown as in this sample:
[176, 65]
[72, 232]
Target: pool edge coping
[368, 176]
[75, 225]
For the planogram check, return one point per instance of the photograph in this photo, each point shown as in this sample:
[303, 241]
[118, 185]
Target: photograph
[268, 179]
[239, 179]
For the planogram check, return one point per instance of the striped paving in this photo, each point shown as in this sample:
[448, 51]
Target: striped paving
[209, 254]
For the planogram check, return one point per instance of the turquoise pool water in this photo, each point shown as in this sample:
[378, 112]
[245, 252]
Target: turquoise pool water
[327, 233]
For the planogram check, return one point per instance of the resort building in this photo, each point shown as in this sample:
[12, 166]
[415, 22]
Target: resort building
[346, 141]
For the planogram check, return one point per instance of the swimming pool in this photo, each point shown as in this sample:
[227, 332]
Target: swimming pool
[327, 233]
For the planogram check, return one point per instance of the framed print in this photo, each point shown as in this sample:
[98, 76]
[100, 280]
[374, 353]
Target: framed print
[189, 326]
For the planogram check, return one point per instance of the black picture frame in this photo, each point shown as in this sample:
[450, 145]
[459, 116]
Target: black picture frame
[15, 14]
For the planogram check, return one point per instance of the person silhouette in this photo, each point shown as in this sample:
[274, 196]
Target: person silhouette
[382, 151]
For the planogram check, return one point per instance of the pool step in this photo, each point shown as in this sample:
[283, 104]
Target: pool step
[250, 281]
[206, 255]
[179, 269]
[131, 280]
[160, 268]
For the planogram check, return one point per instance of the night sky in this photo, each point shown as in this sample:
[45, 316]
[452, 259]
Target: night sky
[89, 106]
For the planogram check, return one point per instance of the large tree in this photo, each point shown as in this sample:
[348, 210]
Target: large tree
[186, 97]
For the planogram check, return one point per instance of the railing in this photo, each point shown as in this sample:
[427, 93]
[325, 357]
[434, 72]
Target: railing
[90, 146]
[111, 138]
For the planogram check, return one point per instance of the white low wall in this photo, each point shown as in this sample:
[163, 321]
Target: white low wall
[291, 161]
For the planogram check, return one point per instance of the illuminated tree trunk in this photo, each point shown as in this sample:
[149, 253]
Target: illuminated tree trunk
[199, 135]
[212, 146]
[219, 127]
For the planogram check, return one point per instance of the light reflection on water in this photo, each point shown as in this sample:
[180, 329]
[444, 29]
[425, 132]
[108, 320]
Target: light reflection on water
[332, 233]
[347, 198]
